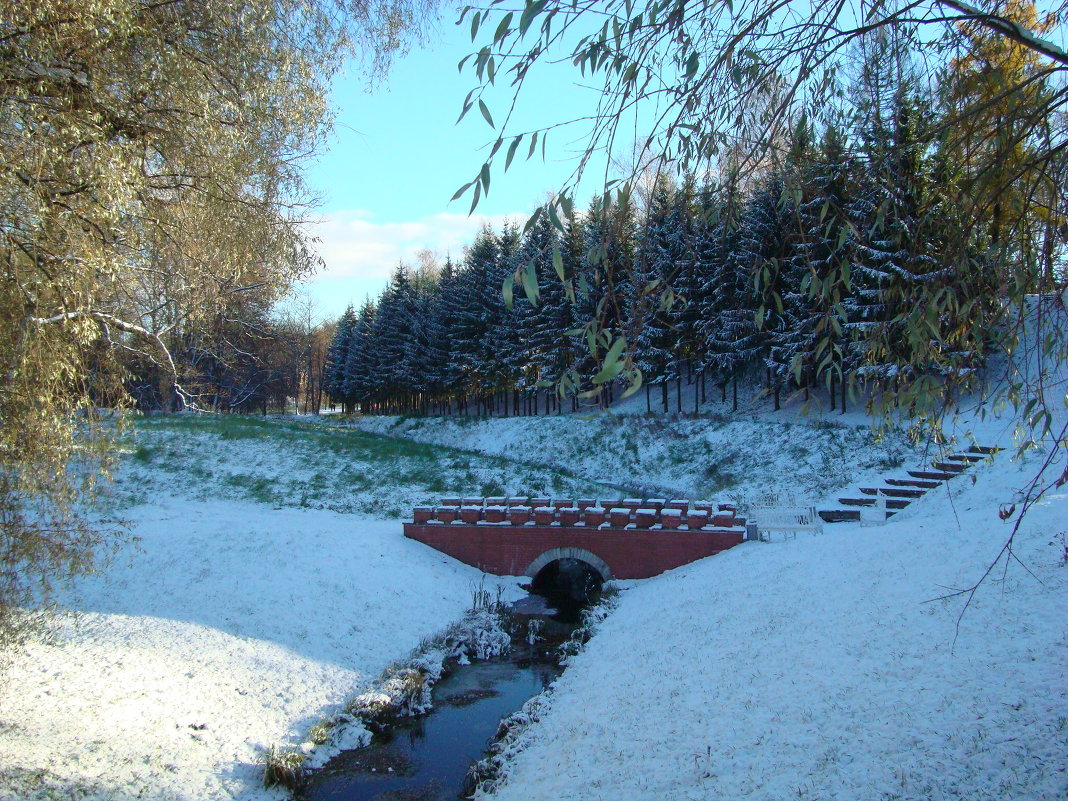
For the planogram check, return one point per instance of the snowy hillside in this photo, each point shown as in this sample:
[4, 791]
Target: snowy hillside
[302, 464]
[271, 580]
[713, 456]
[822, 668]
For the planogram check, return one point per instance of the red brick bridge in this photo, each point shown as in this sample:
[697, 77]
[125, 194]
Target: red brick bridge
[631, 538]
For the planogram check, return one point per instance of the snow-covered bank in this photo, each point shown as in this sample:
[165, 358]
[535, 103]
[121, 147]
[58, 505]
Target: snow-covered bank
[227, 628]
[287, 463]
[816, 669]
[715, 456]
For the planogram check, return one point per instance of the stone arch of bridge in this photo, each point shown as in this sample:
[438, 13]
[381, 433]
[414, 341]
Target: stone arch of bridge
[581, 554]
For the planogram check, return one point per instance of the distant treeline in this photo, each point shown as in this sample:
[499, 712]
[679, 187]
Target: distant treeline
[845, 262]
[706, 280]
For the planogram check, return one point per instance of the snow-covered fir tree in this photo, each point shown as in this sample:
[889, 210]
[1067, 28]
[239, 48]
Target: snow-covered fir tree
[661, 250]
[336, 356]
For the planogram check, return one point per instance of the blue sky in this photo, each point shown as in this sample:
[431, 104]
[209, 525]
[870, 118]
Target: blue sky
[398, 156]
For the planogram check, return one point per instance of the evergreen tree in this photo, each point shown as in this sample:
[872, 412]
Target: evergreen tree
[393, 324]
[728, 308]
[822, 261]
[476, 311]
[766, 249]
[444, 374]
[336, 356]
[362, 367]
[650, 297]
[550, 348]
[688, 285]
[896, 261]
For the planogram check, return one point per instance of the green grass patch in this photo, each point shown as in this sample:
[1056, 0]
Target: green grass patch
[259, 488]
[327, 466]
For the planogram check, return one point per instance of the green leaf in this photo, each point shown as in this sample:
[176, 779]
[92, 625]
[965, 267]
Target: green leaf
[567, 205]
[511, 151]
[532, 220]
[502, 27]
[475, 20]
[609, 371]
[613, 365]
[484, 176]
[461, 190]
[636, 379]
[553, 216]
[507, 290]
[485, 112]
[463, 113]
[530, 283]
[533, 144]
[691, 65]
[531, 11]
[558, 262]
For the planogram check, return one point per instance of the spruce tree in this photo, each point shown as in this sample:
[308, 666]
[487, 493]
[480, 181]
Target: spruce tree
[362, 363]
[336, 356]
[650, 297]
[822, 264]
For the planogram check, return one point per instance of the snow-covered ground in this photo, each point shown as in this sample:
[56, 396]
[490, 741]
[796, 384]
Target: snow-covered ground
[822, 668]
[228, 626]
[713, 456]
[271, 581]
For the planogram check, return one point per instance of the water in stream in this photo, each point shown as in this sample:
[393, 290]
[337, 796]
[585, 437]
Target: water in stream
[427, 758]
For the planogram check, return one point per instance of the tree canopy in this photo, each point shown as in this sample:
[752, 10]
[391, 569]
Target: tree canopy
[969, 99]
[151, 185]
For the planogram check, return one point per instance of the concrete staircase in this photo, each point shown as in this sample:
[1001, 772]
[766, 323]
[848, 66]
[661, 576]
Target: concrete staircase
[897, 493]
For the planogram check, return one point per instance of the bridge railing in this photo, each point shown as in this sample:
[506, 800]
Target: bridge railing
[616, 513]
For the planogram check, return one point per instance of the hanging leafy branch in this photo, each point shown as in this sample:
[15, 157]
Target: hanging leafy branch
[715, 88]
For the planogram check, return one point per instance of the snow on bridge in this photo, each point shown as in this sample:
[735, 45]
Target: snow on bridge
[624, 539]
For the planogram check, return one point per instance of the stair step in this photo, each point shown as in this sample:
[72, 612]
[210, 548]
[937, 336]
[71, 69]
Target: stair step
[966, 457]
[891, 503]
[839, 515]
[893, 492]
[912, 482]
[983, 449]
[931, 475]
[949, 467]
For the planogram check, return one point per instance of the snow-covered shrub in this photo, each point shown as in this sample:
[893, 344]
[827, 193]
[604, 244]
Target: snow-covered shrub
[409, 692]
[320, 732]
[284, 766]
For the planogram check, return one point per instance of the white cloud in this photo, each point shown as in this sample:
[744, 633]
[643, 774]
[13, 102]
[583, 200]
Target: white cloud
[354, 245]
[361, 253]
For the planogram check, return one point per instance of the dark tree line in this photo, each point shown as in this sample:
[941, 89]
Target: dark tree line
[839, 263]
[710, 282]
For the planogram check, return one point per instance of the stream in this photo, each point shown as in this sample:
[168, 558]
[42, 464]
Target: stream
[426, 758]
